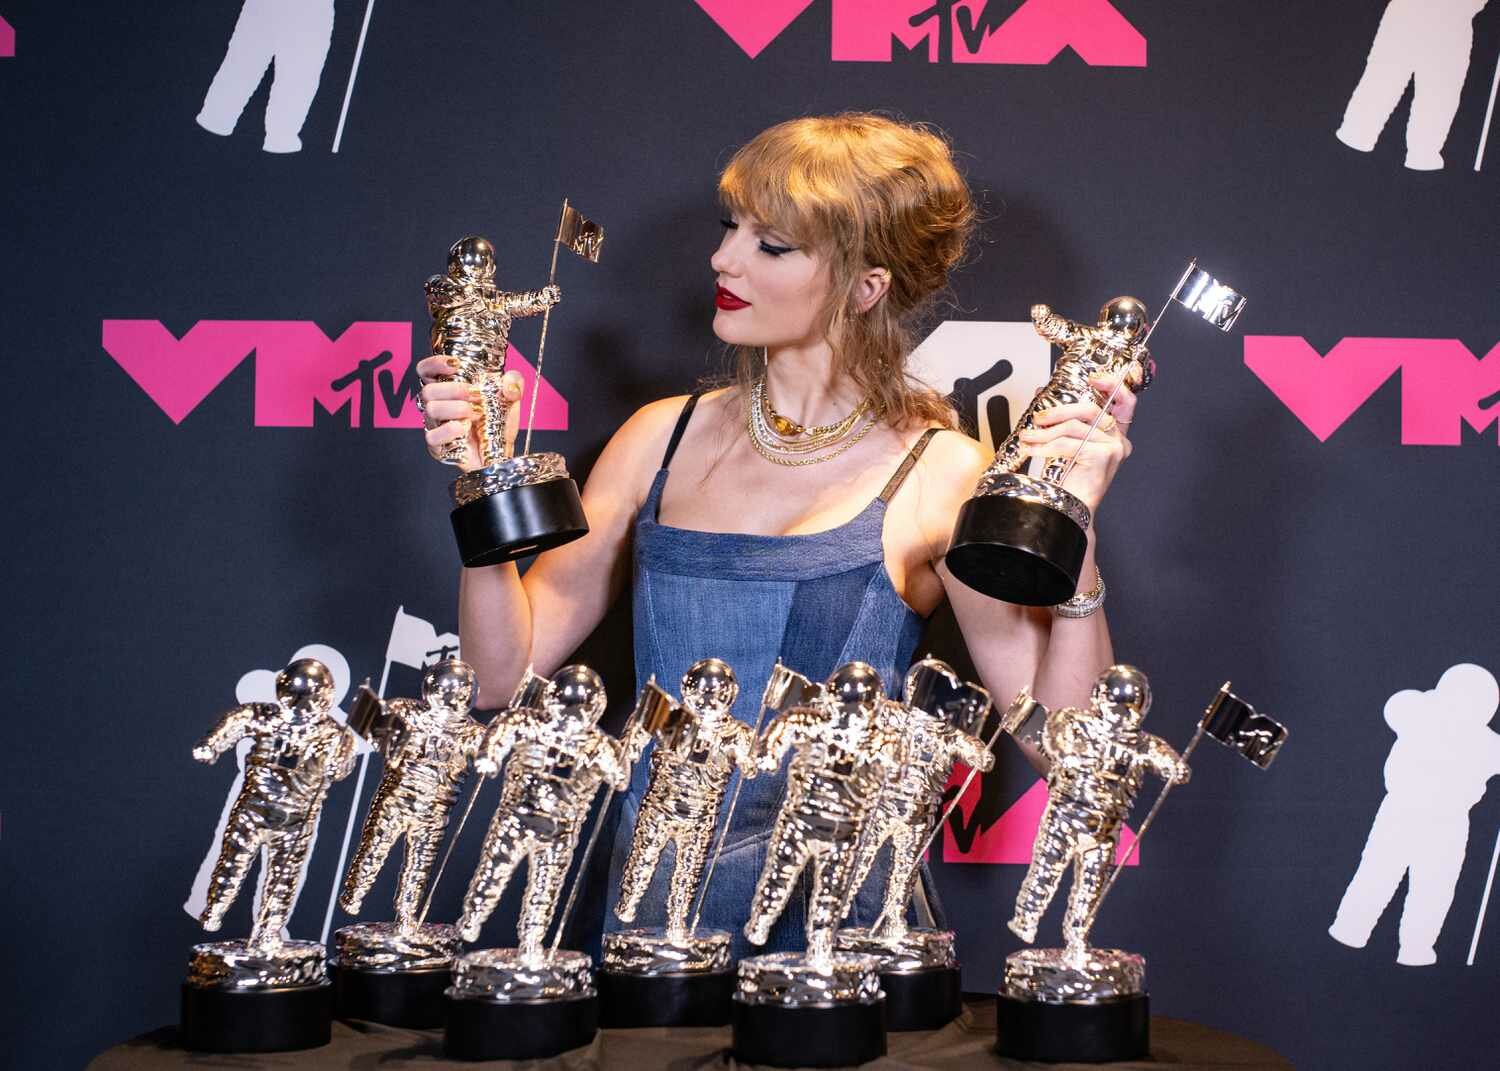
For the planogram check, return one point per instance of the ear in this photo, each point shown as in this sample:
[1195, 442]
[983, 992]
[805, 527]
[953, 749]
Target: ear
[870, 287]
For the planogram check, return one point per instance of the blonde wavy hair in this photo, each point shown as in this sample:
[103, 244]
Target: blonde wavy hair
[862, 191]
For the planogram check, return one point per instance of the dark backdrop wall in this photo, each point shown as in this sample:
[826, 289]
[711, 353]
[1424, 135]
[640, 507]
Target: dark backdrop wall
[212, 461]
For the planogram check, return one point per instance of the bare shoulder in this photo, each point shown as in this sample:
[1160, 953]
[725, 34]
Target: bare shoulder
[953, 462]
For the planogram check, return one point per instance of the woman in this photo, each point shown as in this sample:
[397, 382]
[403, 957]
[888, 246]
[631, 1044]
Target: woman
[801, 513]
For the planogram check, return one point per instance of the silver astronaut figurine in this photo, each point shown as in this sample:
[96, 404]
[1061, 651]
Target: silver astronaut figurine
[427, 744]
[1022, 537]
[298, 751]
[1099, 759]
[938, 722]
[696, 752]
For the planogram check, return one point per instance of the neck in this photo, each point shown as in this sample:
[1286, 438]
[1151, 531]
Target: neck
[802, 385]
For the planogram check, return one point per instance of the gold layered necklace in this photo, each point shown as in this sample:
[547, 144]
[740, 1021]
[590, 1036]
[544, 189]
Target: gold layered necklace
[786, 442]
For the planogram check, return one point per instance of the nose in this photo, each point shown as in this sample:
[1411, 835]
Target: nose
[726, 259]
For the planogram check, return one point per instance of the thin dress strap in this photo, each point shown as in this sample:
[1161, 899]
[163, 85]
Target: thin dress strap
[907, 465]
[682, 423]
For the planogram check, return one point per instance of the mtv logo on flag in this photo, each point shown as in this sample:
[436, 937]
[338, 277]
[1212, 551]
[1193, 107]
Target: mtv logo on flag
[1237, 725]
[1200, 292]
[580, 234]
[416, 643]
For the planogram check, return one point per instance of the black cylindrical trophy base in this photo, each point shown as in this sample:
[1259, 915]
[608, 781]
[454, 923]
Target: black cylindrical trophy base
[1118, 1029]
[264, 1020]
[922, 1000]
[827, 1035]
[1016, 550]
[410, 999]
[479, 1029]
[688, 998]
[518, 521]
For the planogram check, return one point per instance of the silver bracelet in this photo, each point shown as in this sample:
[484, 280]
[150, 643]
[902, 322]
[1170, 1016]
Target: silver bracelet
[1085, 604]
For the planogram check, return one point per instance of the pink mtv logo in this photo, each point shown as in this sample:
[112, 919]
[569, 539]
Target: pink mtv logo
[7, 38]
[1010, 839]
[1443, 385]
[367, 370]
[956, 31]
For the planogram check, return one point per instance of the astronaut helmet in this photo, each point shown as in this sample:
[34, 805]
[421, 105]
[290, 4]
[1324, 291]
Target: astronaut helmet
[472, 258]
[854, 693]
[450, 687]
[1125, 317]
[709, 688]
[1122, 696]
[305, 687]
[576, 694]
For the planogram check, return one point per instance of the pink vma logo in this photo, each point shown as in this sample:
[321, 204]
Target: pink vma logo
[1443, 385]
[298, 368]
[7, 38]
[952, 31]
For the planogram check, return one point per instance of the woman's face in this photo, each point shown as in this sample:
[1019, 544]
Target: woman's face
[770, 293]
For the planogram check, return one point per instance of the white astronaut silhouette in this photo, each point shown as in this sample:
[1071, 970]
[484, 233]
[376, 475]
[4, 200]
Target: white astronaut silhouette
[1444, 755]
[1430, 41]
[293, 34]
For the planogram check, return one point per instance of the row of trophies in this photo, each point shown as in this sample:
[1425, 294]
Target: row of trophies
[866, 771]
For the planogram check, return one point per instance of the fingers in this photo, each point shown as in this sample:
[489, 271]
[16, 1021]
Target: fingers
[436, 367]
[1123, 407]
[445, 433]
[1075, 428]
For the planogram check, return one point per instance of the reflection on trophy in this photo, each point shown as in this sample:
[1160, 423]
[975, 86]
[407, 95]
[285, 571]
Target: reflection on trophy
[395, 972]
[268, 993]
[510, 506]
[1022, 537]
[1078, 1003]
[822, 1008]
[676, 974]
[532, 1001]
[938, 723]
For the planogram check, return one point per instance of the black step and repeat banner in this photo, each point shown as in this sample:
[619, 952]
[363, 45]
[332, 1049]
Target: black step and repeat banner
[217, 219]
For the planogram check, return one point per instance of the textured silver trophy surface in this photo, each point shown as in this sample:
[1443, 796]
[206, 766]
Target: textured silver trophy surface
[395, 972]
[1022, 537]
[938, 722]
[677, 974]
[266, 992]
[531, 1001]
[822, 1007]
[509, 506]
[1076, 996]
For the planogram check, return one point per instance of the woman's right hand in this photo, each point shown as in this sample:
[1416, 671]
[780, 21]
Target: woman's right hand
[452, 412]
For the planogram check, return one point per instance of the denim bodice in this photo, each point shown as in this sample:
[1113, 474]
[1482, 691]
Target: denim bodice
[814, 602]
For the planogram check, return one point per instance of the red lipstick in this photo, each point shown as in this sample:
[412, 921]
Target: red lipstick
[728, 300]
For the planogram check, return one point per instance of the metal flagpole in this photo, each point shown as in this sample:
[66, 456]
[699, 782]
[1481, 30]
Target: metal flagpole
[1484, 137]
[359, 787]
[432, 889]
[541, 346]
[1484, 903]
[359, 51]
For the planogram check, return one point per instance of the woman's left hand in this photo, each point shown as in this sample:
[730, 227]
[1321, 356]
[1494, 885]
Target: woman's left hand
[1059, 431]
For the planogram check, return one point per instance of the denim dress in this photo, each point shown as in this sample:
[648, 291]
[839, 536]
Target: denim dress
[814, 602]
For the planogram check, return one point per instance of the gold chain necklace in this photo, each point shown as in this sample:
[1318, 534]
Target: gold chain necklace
[788, 429]
[770, 446]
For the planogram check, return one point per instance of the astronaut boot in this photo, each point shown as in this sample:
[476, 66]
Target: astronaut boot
[1023, 928]
[757, 933]
[217, 124]
[1414, 956]
[1359, 140]
[1346, 934]
[1417, 160]
[281, 143]
[469, 926]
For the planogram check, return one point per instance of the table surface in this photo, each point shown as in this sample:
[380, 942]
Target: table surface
[967, 1042]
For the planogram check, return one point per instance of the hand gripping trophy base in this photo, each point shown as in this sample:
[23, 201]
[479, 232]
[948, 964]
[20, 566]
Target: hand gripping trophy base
[791, 1011]
[1021, 539]
[656, 978]
[383, 974]
[1073, 1006]
[238, 999]
[515, 507]
[504, 1005]
[919, 975]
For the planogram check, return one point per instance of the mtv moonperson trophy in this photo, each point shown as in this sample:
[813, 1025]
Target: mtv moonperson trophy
[532, 1001]
[395, 972]
[1022, 538]
[821, 1008]
[267, 993]
[1076, 1003]
[510, 506]
[677, 974]
[938, 722]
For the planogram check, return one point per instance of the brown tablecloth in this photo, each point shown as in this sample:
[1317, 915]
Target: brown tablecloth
[966, 1043]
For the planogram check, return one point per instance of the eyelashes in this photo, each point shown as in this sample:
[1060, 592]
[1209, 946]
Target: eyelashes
[765, 247]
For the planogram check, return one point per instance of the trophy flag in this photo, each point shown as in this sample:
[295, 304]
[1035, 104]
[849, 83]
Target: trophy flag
[580, 234]
[1200, 292]
[416, 643]
[1236, 724]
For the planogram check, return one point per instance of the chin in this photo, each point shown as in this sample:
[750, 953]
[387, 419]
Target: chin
[731, 333]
